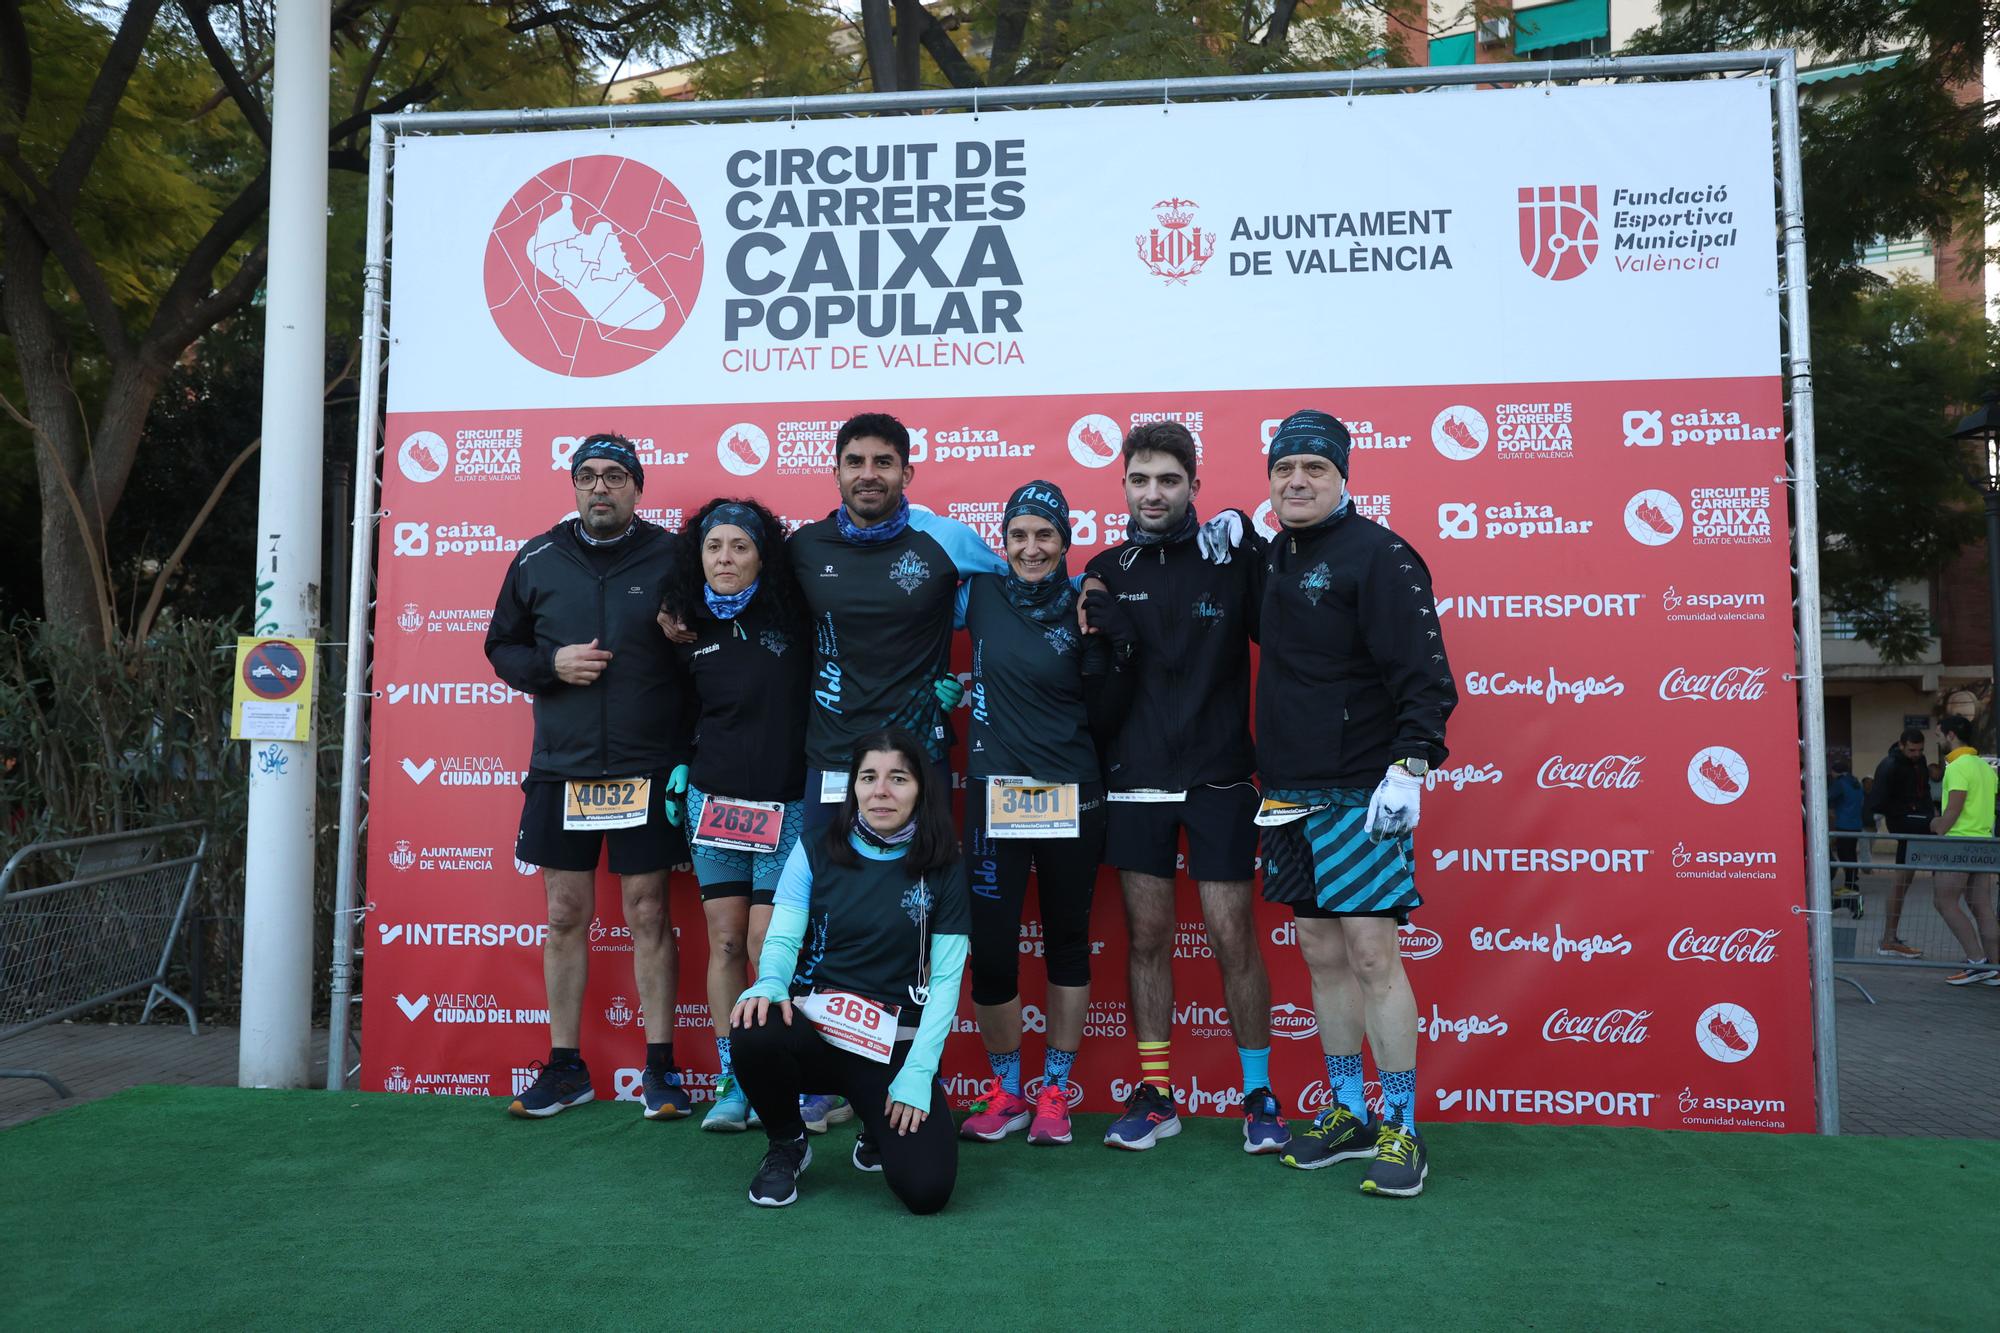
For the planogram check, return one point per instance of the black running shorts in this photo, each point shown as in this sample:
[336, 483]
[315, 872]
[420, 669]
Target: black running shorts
[1220, 822]
[640, 850]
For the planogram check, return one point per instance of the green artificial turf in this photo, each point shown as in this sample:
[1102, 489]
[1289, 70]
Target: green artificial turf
[212, 1207]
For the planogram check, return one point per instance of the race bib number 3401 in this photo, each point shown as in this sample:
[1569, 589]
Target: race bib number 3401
[606, 803]
[1025, 808]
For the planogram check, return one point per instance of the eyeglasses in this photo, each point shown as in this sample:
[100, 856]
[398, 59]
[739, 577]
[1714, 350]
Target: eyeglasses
[614, 479]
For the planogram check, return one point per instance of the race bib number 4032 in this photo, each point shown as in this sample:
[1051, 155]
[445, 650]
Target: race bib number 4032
[606, 803]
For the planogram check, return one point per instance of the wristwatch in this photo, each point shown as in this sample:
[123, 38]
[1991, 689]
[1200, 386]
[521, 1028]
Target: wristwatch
[1416, 768]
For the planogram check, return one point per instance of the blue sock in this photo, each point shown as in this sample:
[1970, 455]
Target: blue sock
[1056, 1066]
[722, 1054]
[1007, 1068]
[1256, 1068]
[1399, 1098]
[1350, 1088]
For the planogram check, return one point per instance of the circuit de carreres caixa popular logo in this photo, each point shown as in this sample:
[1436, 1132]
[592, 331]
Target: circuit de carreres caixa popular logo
[593, 266]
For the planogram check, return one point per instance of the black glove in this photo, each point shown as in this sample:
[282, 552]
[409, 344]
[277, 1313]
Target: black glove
[1108, 616]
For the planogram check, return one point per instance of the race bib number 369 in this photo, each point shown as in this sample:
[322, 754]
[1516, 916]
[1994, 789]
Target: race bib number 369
[606, 803]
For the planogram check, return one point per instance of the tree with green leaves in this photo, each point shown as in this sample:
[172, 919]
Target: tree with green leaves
[1908, 149]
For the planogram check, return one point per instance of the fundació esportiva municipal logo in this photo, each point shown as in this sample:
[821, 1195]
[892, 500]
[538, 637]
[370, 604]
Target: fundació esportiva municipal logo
[1558, 230]
[593, 266]
[1176, 249]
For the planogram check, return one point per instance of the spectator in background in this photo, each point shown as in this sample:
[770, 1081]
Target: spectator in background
[1844, 800]
[1969, 785]
[1902, 796]
[1937, 784]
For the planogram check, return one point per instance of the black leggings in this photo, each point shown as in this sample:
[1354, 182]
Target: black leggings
[1065, 879]
[776, 1063]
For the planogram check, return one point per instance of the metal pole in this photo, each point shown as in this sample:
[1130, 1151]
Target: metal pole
[1805, 536]
[275, 1041]
[360, 597]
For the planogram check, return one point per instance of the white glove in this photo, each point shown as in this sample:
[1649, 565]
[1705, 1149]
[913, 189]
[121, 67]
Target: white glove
[1220, 536]
[1392, 810]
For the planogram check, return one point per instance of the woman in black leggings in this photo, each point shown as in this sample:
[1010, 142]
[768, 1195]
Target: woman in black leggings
[858, 981]
[1035, 798]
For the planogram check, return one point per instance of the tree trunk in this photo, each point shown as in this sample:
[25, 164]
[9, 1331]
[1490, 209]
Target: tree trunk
[881, 44]
[1010, 25]
[911, 20]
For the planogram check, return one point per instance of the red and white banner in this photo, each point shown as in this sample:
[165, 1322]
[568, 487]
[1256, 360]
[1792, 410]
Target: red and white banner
[1561, 368]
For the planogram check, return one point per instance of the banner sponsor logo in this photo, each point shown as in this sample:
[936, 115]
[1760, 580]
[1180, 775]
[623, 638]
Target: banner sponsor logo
[423, 456]
[1316, 1096]
[743, 449]
[1534, 431]
[1649, 428]
[1745, 944]
[1550, 688]
[403, 857]
[1722, 863]
[1542, 860]
[452, 693]
[396, 1080]
[490, 453]
[468, 1008]
[463, 934]
[1653, 518]
[1459, 433]
[1726, 1033]
[620, 1014]
[963, 444]
[1072, 1090]
[1361, 435]
[1203, 1020]
[1713, 606]
[1460, 776]
[416, 540]
[1439, 1028]
[1554, 945]
[1730, 1112]
[1191, 940]
[1718, 775]
[1032, 943]
[1571, 1102]
[1467, 521]
[1558, 230]
[401, 1079]
[1107, 1018]
[1726, 685]
[1095, 440]
[1176, 249]
[1611, 772]
[470, 770]
[1415, 942]
[1295, 1022]
[1541, 606]
[1731, 515]
[1614, 1027]
[611, 937]
[414, 619]
[1671, 229]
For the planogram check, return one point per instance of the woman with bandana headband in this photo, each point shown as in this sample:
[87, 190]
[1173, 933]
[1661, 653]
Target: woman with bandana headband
[1040, 693]
[749, 661]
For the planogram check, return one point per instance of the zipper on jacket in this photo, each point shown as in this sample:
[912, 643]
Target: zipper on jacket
[603, 696]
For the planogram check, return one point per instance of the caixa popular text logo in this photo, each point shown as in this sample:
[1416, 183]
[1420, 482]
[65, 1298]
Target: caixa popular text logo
[1558, 230]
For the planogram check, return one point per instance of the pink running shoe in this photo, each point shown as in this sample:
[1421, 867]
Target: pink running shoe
[1051, 1116]
[995, 1115]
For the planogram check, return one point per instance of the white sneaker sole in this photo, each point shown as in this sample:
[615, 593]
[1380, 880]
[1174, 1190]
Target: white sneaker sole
[1046, 1140]
[1166, 1129]
[839, 1115]
[859, 1165]
[794, 1195]
[521, 1112]
[1013, 1126]
[1422, 1176]
[723, 1126]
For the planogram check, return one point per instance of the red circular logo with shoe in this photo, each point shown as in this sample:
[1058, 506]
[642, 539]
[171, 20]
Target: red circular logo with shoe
[593, 266]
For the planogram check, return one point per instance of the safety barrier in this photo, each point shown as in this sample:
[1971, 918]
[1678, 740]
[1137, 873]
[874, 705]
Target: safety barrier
[1876, 902]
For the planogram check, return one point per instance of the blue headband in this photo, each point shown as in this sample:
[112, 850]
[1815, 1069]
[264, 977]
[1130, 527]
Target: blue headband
[612, 449]
[1044, 500]
[1310, 432]
[736, 515]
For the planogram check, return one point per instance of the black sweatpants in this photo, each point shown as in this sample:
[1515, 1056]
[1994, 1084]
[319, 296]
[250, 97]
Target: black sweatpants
[996, 870]
[776, 1063]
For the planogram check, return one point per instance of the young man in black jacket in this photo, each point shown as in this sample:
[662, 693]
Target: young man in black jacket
[1352, 696]
[1902, 796]
[1185, 593]
[575, 626]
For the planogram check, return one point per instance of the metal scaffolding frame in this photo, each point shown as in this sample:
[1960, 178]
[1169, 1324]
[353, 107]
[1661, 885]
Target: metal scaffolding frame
[1780, 67]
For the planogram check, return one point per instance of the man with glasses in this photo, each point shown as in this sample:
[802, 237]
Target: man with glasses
[575, 627]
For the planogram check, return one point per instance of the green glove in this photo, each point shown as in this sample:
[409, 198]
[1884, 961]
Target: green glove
[949, 691]
[677, 785]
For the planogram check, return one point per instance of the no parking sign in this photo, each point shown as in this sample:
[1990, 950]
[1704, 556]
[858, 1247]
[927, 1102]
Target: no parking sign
[273, 690]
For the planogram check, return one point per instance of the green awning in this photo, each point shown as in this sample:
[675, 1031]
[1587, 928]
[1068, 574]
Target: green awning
[1560, 24]
[1452, 50]
[1851, 69]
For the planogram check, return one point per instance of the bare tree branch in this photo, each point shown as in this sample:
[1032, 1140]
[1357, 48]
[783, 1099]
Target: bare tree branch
[425, 88]
[1010, 25]
[44, 212]
[225, 69]
[951, 61]
[101, 107]
[374, 66]
[880, 44]
[17, 67]
[172, 327]
[1280, 26]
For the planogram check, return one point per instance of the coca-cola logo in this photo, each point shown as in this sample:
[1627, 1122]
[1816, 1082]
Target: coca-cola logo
[1613, 772]
[1617, 1027]
[1317, 1095]
[1414, 942]
[1745, 945]
[1730, 685]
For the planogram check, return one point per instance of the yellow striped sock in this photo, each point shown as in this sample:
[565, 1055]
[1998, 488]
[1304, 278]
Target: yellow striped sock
[1153, 1064]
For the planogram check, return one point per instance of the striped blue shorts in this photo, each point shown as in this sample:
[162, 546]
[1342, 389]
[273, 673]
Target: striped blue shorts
[1324, 865]
[721, 865]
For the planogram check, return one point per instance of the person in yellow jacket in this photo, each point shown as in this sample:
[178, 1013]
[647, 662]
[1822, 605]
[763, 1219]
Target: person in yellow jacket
[1969, 788]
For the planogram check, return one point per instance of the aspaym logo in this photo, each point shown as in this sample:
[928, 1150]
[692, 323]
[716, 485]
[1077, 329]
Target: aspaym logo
[1726, 1033]
[1094, 440]
[1718, 775]
[1558, 230]
[1459, 432]
[593, 266]
[1653, 518]
[424, 456]
[743, 449]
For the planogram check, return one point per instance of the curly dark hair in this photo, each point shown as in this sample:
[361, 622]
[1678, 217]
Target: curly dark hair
[777, 587]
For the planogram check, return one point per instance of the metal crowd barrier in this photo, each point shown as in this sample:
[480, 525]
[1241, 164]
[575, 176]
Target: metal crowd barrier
[1860, 914]
[84, 921]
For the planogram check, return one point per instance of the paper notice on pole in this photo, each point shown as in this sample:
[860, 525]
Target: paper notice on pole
[267, 722]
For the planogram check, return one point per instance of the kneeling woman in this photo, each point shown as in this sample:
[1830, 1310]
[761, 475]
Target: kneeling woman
[858, 980]
[750, 660]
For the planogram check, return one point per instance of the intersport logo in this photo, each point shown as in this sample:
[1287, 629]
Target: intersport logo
[1572, 1102]
[1541, 605]
[451, 693]
[1611, 772]
[1746, 944]
[1615, 1027]
[1542, 860]
[1725, 685]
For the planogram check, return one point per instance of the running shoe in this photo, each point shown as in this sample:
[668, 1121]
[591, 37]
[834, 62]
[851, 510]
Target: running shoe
[777, 1180]
[995, 1114]
[1400, 1164]
[1335, 1135]
[731, 1112]
[1972, 974]
[1898, 949]
[1051, 1116]
[1992, 979]
[823, 1112]
[665, 1098]
[556, 1088]
[1264, 1130]
[1148, 1117]
[867, 1157]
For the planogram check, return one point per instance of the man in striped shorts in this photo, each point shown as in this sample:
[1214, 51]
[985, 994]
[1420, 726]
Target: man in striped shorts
[1352, 697]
